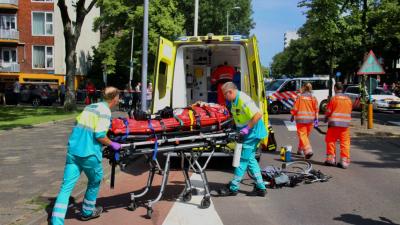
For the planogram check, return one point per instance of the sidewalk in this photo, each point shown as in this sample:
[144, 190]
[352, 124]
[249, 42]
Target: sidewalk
[32, 162]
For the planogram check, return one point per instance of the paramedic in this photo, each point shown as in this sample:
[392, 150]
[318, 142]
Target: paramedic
[248, 118]
[222, 74]
[84, 154]
[338, 116]
[305, 113]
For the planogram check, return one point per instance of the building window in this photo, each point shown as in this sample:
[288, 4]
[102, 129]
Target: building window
[9, 55]
[8, 22]
[42, 23]
[43, 57]
[42, 1]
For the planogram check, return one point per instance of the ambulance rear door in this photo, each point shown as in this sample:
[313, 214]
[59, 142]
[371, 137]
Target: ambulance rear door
[163, 74]
[257, 89]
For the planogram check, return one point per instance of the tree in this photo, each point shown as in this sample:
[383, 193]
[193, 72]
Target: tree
[212, 16]
[117, 20]
[72, 32]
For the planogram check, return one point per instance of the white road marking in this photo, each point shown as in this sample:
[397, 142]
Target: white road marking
[291, 126]
[395, 122]
[189, 213]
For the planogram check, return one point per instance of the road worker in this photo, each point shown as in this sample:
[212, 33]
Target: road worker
[338, 116]
[305, 113]
[248, 119]
[224, 73]
[84, 154]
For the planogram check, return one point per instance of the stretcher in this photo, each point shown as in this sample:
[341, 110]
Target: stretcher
[189, 142]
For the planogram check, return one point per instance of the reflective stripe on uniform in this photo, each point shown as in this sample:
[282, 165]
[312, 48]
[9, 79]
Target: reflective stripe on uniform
[89, 202]
[57, 214]
[61, 206]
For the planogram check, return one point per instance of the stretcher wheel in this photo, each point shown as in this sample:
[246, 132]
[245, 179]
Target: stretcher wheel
[149, 212]
[132, 205]
[205, 203]
[187, 196]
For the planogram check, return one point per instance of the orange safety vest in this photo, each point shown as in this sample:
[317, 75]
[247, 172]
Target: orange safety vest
[305, 108]
[338, 111]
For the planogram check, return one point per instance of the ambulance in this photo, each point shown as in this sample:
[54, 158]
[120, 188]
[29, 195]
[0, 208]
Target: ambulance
[282, 93]
[183, 69]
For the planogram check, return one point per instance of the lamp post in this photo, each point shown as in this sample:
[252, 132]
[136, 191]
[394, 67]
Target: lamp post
[144, 54]
[227, 19]
[196, 17]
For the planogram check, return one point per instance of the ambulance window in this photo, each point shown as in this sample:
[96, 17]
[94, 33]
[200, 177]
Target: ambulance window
[255, 76]
[162, 79]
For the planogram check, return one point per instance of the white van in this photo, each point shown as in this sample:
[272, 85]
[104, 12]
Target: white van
[282, 93]
[183, 70]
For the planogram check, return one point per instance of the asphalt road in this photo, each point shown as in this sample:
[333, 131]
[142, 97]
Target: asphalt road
[366, 193]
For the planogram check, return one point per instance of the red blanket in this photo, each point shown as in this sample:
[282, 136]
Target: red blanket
[190, 118]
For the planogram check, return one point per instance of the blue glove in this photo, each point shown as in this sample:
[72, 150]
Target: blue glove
[245, 130]
[115, 146]
[316, 123]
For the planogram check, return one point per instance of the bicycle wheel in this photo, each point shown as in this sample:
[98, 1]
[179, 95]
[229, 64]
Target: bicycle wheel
[297, 167]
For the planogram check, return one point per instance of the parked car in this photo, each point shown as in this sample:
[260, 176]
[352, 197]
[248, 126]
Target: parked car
[381, 100]
[34, 93]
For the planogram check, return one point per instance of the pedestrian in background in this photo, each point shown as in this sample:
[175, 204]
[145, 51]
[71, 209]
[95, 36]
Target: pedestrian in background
[3, 93]
[149, 95]
[91, 91]
[62, 93]
[17, 92]
[305, 113]
[84, 153]
[338, 117]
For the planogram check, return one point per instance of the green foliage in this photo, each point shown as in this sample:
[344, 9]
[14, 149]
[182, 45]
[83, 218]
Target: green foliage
[334, 30]
[167, 18]
[212, 16]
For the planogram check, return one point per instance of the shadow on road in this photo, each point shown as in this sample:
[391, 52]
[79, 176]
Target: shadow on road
[359, 220]
[386, 151]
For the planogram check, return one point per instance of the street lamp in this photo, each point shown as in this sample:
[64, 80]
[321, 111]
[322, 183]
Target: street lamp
[227, 18]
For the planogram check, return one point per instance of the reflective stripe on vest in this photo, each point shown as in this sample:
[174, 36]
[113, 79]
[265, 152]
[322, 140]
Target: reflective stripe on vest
[238, 111]
[341, 113]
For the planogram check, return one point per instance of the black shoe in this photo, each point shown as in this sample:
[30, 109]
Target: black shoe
[226, 192]
[309, 155]
[257, 192]
[96, 213]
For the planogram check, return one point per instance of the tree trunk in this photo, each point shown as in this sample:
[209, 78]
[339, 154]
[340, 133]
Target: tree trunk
[70, 62]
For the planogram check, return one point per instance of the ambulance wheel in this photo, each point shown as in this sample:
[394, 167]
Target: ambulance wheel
[322, 106]
[205, 203]
[275, 108]
[149, 212]
[132, 205]
[187, 196]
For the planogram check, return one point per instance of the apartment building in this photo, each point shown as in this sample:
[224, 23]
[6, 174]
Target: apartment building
[32, 41]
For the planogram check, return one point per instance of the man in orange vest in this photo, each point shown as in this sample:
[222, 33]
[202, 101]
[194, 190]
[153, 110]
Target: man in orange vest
[220, 76]
[305, 112]
[338, 116]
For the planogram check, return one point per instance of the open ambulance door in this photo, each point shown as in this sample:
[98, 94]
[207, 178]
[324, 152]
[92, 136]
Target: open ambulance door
[256, 78]
[163, 74]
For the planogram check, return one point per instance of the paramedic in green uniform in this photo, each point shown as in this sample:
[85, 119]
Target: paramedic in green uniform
[84, 154]
[248, 119]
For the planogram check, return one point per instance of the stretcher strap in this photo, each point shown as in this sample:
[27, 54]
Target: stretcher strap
[155, 141]
[163, 126]
[191, 116]
[125, 136]
[180, 122]
[196, 116]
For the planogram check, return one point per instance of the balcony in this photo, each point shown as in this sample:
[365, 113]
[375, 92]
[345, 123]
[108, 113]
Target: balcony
[8, 4]
[12, 35]
[9, 67]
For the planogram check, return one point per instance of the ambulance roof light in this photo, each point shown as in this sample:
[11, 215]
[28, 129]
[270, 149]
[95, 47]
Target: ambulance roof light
[183, 38]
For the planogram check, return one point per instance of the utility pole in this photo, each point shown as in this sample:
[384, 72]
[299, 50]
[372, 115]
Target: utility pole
[145, 52]
[131, 61]
[196, 17]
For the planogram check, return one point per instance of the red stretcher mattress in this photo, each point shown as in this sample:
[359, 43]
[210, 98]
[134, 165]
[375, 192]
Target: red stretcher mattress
[190, 118]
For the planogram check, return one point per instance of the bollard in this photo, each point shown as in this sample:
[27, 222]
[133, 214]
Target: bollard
[370, 116]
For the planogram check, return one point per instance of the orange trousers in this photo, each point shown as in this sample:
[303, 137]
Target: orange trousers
[303, 132]
[332, 136]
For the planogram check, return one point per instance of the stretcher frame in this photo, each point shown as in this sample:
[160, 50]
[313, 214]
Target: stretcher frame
[185, 147]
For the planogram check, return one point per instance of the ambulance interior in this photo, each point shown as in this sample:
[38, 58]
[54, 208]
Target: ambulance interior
[194, 67]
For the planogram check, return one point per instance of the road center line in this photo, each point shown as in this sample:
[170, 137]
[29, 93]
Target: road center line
[189, 213]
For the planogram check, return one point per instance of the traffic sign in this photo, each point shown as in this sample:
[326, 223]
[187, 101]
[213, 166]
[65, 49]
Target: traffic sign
[338, 74]
[371, 66]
